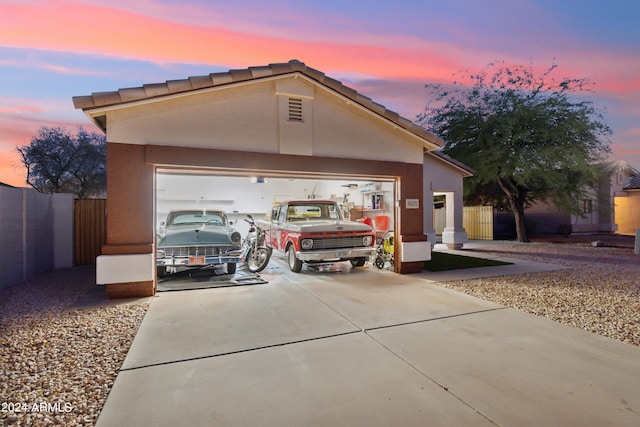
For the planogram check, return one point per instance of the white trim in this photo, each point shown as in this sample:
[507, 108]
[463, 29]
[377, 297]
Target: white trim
[415, 251]
[124, 268]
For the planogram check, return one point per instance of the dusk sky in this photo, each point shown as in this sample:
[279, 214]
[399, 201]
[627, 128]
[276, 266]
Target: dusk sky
[52, 50]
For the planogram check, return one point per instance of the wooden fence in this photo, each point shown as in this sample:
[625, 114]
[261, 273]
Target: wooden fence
[478, 222]
[89, 218]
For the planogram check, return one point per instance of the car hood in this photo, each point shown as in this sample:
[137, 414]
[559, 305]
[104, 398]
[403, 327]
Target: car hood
[196, 234]
[323, 226]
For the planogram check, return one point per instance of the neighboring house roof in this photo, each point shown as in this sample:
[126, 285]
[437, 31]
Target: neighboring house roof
[634, 183]
[191, 84]
[610, 168]
[466, 170]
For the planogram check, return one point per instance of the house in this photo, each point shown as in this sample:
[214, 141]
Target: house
[612, 208]
[286, 120]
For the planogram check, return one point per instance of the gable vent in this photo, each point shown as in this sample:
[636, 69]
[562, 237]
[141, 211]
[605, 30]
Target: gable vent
[295, 109]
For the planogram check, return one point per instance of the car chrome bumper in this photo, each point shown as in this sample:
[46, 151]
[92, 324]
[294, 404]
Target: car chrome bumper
[335, 254]
[195, 260]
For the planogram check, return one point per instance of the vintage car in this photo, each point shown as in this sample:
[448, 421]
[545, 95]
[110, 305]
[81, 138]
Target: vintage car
[196, 238]
[313, 231]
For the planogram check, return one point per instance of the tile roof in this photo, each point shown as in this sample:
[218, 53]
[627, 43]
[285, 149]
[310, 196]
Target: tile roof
[464, 168]
[171, 87]
[634, 183]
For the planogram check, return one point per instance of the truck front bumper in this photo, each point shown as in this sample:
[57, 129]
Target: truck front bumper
[335, 254]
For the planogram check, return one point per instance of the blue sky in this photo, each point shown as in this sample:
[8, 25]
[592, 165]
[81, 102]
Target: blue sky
[52, 50]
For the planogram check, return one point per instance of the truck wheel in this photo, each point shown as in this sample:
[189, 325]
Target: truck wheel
[231, 268]
[294, 263]
[358, 262]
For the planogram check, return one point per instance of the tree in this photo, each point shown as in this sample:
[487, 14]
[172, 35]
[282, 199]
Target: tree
[523, 134]
[59, 162]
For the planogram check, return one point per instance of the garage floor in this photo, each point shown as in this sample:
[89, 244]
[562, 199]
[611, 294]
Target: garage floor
[362, 347]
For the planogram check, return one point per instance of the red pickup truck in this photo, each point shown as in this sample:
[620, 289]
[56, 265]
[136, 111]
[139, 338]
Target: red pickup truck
[313, 231]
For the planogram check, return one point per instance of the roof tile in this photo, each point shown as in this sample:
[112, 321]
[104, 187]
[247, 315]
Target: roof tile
[132, 94]
[156, 89]
[182, 85]
[106, 98]
[297, 65]
[280, 68]
[332, 83]
[200, 82]
[221, 78]
[83, 102]
[391, 115]
[315, 74]
[240, 75]
[258, 72]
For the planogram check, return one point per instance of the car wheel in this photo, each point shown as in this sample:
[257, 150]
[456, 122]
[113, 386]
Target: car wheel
[358, 262]
[231, 268]
[294, 263]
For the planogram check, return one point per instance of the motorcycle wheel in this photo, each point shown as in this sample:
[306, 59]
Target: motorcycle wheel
[257, 260]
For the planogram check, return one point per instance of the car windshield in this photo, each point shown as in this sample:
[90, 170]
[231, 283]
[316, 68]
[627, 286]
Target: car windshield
[196, 217]
[311, 210]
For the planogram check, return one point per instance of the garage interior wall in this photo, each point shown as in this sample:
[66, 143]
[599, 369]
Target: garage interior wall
[238, 196]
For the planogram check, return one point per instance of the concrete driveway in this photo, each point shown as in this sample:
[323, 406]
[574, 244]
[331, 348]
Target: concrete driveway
[357, 347]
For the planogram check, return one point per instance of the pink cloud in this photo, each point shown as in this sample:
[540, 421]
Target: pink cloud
[57, 25]
[12, 171]
[170, 33]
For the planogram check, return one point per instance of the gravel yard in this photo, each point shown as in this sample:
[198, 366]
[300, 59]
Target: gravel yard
[61, 349]
[58, 358]
[600, 293]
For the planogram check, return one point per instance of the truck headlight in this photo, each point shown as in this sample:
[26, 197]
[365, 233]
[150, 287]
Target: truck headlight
[236, 237]
[306, 244]
[367, 240]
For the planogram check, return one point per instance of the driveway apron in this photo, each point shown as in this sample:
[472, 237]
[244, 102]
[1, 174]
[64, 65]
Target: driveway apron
[359, 347]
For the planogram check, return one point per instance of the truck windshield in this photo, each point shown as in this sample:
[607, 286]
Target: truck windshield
[311, 210]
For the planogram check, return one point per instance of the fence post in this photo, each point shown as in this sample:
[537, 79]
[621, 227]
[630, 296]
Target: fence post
[636, 248]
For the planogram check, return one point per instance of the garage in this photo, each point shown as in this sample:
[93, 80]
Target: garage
[369, 201]
[282, 121]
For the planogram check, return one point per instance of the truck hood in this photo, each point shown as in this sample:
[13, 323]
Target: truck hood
[323, 225]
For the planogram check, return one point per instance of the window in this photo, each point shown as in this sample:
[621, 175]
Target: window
[586, 205]
[295, 109]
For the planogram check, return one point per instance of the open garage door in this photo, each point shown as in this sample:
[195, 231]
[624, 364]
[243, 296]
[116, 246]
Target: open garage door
[369, 200]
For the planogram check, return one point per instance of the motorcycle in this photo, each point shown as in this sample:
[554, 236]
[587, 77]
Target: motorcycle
[255, 253]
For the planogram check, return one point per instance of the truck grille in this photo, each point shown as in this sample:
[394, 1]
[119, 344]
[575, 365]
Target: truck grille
[338, 242]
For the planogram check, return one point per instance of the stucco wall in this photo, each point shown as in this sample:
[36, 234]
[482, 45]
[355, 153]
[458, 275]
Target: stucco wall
[36, 233]
[253, 117]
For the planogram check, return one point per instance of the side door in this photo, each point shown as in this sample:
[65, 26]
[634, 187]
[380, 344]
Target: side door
[280, 226]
